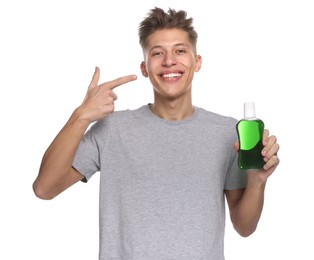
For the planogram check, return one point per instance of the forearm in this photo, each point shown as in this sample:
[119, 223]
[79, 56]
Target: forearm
[56, 164]
[246, 206]
[247, 213]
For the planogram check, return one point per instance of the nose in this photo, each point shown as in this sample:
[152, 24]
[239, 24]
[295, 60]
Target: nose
[169, 59]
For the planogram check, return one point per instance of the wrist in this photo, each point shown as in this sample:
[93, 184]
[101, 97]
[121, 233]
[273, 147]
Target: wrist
[255, 180]
[78, 117]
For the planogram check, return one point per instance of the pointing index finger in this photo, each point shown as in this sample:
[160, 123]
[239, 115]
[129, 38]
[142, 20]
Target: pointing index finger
[119, 81]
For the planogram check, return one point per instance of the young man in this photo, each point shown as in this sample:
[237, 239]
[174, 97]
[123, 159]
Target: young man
[165, 168]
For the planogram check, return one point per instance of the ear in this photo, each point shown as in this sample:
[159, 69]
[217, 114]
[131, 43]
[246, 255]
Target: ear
[198, 65]
[143, 69]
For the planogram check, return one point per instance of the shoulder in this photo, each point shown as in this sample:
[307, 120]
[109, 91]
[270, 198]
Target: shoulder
[217, 126]
[122, 118]
[215, 118]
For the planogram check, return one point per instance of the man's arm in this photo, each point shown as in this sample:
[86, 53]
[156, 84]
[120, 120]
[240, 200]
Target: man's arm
[56, 173]
[246, 205]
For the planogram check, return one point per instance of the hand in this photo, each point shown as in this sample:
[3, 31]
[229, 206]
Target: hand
[271, 148]
[269, 152]
[99, 99]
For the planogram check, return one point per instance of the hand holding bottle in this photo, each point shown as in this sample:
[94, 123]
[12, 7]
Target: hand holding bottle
[257, 149]
[269, 155]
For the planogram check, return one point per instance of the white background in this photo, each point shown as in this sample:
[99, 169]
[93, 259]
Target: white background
[260, 51]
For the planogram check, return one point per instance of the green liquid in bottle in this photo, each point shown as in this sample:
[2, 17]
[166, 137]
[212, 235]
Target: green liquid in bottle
[250, 133]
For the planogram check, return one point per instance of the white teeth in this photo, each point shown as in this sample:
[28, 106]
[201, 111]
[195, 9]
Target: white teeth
[171, 75]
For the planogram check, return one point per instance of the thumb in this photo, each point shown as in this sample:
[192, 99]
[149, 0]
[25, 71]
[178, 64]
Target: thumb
[95, 79]
[236, 146]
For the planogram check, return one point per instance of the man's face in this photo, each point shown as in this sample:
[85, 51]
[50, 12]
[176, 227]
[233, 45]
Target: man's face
[170, 63]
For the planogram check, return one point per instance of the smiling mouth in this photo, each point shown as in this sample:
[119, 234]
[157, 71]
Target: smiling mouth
[171, 75]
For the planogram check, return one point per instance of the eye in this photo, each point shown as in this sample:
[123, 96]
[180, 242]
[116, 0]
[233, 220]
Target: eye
[157, 53]
[181, 51]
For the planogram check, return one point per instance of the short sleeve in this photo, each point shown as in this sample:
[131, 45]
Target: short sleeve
[86, 160]
[236, 178]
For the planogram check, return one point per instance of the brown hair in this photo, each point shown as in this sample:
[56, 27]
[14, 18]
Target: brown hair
[158, 19]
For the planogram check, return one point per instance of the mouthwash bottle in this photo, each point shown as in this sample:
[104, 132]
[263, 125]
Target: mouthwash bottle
[250, 133]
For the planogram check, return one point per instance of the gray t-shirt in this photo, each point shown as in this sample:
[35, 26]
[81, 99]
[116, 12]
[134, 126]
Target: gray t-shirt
[161, 183]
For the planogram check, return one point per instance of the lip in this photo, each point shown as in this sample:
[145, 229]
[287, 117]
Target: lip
[171, 74]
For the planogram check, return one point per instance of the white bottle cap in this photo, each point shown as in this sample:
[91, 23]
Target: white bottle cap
[249, 110]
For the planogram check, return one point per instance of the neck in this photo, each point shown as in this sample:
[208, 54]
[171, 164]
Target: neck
[172, 110]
